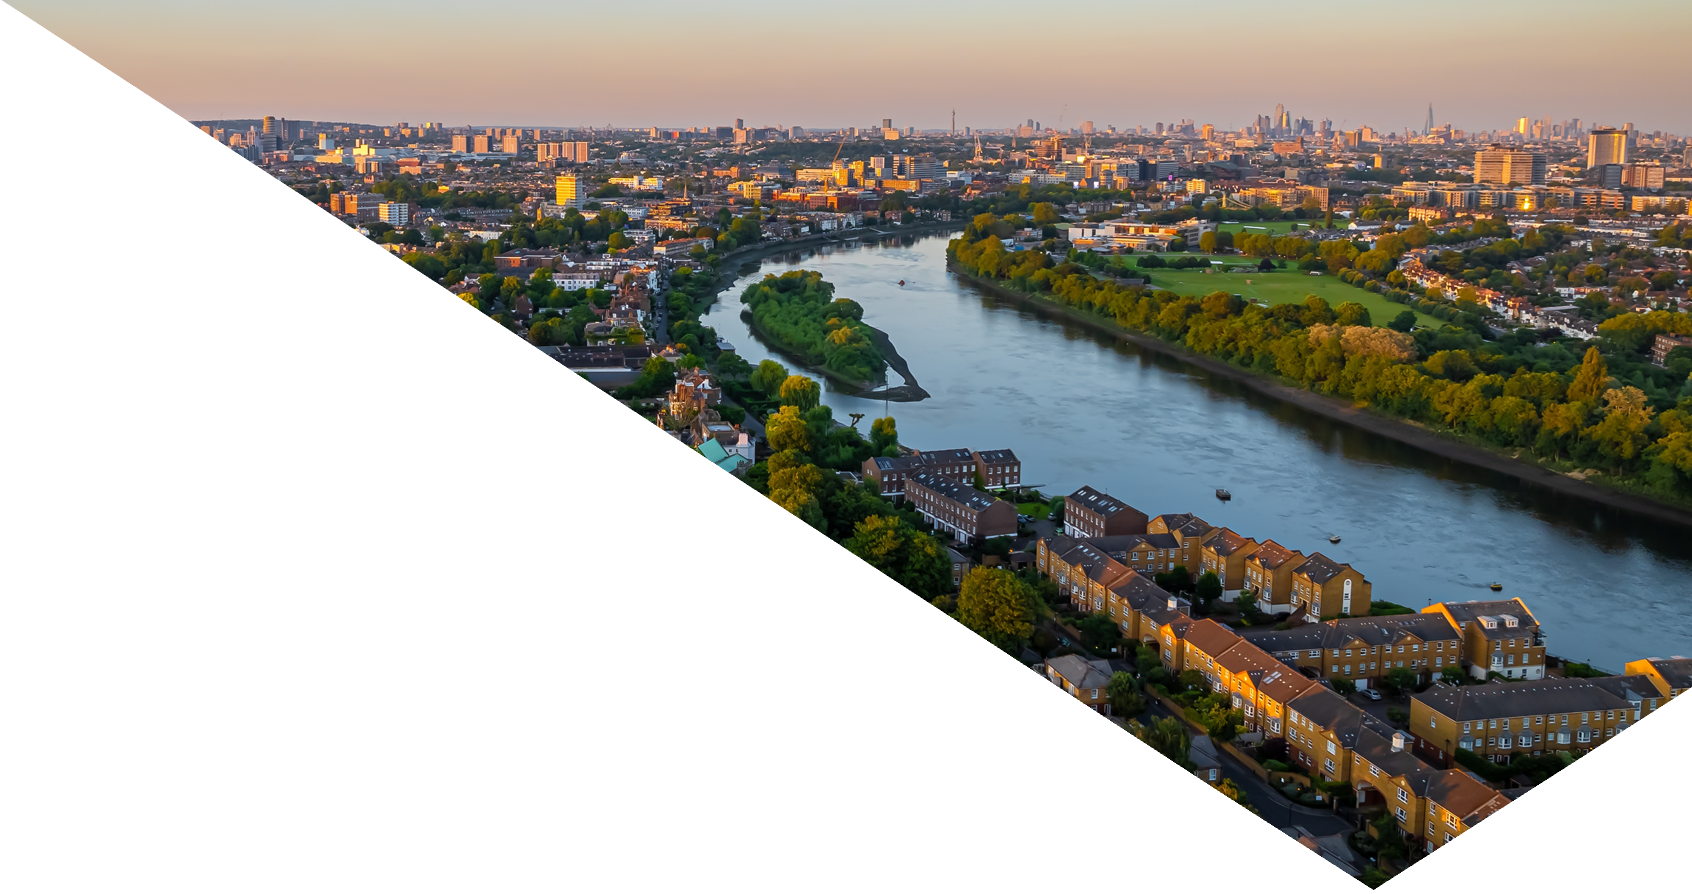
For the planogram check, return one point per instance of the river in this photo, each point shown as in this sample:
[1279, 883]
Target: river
[1080, 407]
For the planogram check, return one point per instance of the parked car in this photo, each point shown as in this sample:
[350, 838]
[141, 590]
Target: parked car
[1370, 694]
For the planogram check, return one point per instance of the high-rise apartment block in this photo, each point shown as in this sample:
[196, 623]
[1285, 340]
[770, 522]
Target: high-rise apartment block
[1643, 175]
[460, 143]
[483, 144]
[572, 190]
[1606, 146]
[1500, 164]
[508, 144]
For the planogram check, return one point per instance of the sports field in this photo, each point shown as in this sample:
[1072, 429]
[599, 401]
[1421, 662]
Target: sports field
[1275, 227]
[1280, 287]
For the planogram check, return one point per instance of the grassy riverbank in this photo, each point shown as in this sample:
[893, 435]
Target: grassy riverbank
[1437, 440]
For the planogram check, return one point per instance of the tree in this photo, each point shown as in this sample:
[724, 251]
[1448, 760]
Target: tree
[1350, 313]
[1404, 322]
[914, 559]
[1208, 589]
[1344, 686]
[1099, 631]
[1399, 680]
[785, 429]
[768, 377]
[994, 604]
[884, 436]
[1591, 379]
[619, 241]
[800, 391]
[1207, 242]
[1169, 737]
[1124, 694]
[1452, 675]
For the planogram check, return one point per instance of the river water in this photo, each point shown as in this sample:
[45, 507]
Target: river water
[1080, 407]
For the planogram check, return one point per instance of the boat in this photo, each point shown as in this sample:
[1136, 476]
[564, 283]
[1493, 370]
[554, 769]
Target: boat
[1223, 495]
[1333, 538]
[901, 282]
[1496, 587]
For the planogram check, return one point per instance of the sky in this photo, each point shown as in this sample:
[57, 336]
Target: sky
[995, 63]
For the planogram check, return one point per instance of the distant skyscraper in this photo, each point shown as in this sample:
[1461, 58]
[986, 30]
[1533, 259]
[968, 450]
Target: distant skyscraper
[1428, 131]
[1280, 112]
[1522, 126]
[1606, 146]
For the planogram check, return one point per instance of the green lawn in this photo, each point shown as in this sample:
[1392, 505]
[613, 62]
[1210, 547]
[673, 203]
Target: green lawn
[1038, 510]
[1280, 287]
[1277, 227]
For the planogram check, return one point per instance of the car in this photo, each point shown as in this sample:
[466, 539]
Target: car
[1370, 694]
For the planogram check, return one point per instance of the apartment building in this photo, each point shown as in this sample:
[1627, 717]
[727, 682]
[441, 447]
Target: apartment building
[1323, 588]
[1268, 576]
[1142, 610]
[1503, 164]
[1225, 554]
[1662, 345]
[1671, 676]
[1089, 513]
[1532, 717]
[1499, 636]
[967, 514]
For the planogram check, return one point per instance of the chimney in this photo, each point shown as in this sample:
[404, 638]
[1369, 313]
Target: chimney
[1171, 603]
[1398, 741]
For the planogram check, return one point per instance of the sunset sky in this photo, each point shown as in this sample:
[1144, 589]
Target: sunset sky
[681, 64]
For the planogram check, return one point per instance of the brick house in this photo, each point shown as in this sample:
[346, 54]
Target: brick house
[1083, 678]
[1499, 636]
[1499, 722]
[1323, 588]
[968, 514]
[1089, 513]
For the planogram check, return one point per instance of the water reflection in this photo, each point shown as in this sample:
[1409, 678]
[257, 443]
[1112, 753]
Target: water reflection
[1081, 407]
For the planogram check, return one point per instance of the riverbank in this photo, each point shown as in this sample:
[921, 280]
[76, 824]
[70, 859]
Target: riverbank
[727, 273]
[1402, 431]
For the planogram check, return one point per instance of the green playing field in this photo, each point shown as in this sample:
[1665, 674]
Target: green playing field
[1279, 287]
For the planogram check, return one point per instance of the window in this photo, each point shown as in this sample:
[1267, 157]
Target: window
[1331, 750]
[1317, 653]
[1374, 770]
[1433, 722]
[1403, 797]
[1448, 836]
[1328, 765]
[1335, 670]
[1465, 726]
[1095, 694]
[1401, 814]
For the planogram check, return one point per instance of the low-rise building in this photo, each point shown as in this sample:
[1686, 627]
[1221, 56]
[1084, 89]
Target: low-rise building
[998, 468]
[954, 464]
[1671, 676]
[1324, 588]
[1499, 722]
[1225, 555]
[1089, 513]
[1268, 577]
[1499, 636]
[1365, 650]
[1083, 678]
[968, 514]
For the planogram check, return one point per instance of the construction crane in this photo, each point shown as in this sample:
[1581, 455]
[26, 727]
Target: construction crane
[978, 149]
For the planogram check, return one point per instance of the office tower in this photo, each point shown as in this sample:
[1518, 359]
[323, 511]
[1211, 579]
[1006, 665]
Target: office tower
[1606, 146]
[740, 124]
[1428, 131]
[1498, 164]
[270, 124]
[482, 144]
[1087, 127]
[1209, 132]
[325, 142]
[572, 190]
[1522, 126]
[1280, 112]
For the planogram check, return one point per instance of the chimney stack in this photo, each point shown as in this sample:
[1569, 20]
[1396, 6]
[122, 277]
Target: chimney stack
[1398, 741]
[1172, 603]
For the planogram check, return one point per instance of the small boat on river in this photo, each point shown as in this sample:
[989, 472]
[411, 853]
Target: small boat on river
[901, 282]
[1333, 538]
[1223, 495]
[1496, 587]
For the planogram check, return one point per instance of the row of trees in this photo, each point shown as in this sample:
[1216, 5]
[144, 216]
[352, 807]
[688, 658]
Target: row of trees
[1524, 397]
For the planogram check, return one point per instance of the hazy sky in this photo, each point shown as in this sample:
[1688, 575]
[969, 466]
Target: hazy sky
[680, 64]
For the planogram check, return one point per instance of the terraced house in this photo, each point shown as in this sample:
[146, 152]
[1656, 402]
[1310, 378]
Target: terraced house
[1268, 577]
[1672, 676]
[1534, 717]
[1190, 533]
[957, 465]
[1431, 806]
[968, 514]
[1323, 588]
[1089, 513]
[1499, 636]
[1143, 610]
[1365, 650]
[1083, 678]
[1322, 730]
[1225, 553]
